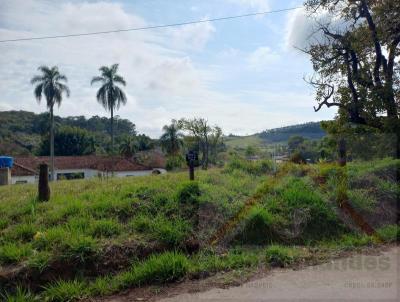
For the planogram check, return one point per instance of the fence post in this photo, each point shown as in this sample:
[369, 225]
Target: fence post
[43, 187]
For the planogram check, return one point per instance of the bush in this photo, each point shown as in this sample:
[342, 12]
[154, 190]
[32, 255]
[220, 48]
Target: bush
[104, 228]
[282, 256]
[171, 232]
[174, 162]
[389, 233]
[254, 167]
[12, 253]
[189, 193]
[66, 291]
[258, 227]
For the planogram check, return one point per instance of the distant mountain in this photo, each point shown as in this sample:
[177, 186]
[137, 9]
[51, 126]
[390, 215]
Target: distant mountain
[311, 130]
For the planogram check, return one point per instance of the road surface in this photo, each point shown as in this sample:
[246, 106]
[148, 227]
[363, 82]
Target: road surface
[359, 278]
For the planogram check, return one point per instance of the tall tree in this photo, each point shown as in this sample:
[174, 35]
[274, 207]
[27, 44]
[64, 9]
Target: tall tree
[51, 84]
[356, 60]
[171, 140]
[110, 95]
[128, 146]
[203, 133]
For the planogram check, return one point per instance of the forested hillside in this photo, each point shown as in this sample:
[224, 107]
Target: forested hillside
[311, 130]
[22, 132]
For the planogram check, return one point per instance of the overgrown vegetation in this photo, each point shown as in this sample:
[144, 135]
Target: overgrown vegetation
[159, 227]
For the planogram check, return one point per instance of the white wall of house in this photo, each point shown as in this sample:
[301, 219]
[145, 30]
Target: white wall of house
[132, 173]
[88, 173]
[23, 179]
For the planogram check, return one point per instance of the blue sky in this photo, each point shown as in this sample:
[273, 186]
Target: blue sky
[244, 74]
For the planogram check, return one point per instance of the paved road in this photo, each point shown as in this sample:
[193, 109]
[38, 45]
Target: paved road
[359, 278]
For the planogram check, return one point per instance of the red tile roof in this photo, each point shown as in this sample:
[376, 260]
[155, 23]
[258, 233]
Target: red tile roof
[100, 163]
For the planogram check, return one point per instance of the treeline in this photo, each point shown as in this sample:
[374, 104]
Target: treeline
[24, 133]
[311, 130]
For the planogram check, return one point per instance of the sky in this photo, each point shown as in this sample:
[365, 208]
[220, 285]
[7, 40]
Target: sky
[244, 75]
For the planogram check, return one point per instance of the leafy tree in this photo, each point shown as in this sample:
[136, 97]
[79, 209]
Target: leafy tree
[144, 142]
[356, 62]
[171, 140]
[70, 141]
[294, 142]
[205, 136]
[128, 146]
[51, 84]
[110, 95]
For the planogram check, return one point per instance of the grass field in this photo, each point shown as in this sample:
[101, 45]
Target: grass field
[96, 237]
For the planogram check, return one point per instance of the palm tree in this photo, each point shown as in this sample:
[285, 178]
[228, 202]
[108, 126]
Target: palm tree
[128, 146]
[110, 95]
[171, 140]
[50, 84]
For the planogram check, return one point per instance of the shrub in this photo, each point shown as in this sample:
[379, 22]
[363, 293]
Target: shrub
[297, 158]
[189, 193]
[142, 223]
[105, 228]
[389, 233]
[254, 167]
[174, 162]
[13, 253]
[282, 256]
[65, 291]
[362, 199]
[304, 211]
[171, 232]
[258, 227]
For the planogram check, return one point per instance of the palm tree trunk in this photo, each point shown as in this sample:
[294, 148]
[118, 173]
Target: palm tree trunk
[112, 131]
[52, 143]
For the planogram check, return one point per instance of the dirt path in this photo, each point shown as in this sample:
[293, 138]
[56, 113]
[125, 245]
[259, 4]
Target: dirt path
[359, 278]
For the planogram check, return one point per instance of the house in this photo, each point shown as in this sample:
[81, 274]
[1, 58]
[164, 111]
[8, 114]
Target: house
[25, 169]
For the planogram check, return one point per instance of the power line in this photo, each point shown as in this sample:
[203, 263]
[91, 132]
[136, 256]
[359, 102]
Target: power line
[150, 27]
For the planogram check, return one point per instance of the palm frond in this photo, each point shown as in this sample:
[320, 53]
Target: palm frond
[97, 79]
[119, 79]
[38, 92]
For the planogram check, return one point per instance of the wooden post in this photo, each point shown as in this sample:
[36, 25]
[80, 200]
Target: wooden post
[43, 188]
[342, 152]
[191, 169]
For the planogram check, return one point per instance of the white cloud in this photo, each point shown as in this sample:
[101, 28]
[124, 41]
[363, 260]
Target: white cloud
[261, 58]
[302, 28]
[256, 5]
[192, 36]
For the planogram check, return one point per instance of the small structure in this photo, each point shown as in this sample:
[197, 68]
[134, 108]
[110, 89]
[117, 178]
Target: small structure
[6, 164]
[26, 169]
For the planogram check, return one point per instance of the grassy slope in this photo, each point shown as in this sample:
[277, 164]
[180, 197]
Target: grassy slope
[106, 226]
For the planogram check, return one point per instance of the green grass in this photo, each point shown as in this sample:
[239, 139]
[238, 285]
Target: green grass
[278, 255]
[85, 221]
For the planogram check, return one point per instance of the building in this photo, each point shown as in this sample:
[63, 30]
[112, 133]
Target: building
[25, 169]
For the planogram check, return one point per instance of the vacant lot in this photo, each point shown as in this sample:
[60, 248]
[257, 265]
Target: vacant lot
[98, 237]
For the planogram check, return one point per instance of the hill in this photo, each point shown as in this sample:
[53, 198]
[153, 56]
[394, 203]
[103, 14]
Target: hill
[21, 131]
[311, 130]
